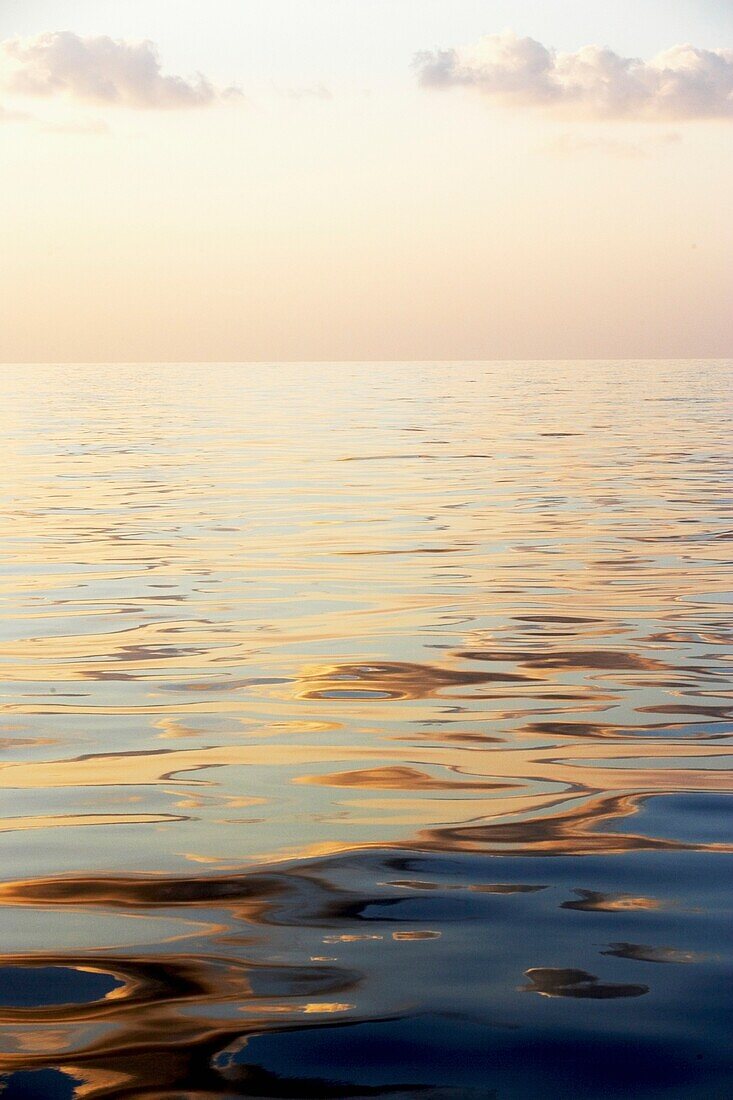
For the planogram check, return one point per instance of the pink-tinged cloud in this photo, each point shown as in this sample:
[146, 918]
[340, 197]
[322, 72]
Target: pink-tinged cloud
[681, 83]
[100, 70]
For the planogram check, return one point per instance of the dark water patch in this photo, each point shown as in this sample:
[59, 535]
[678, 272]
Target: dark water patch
[594, 901]
[570, 620]
[36, 986]
[577, 830]
[40, 1084]
[719, 711]
[479, 888]
[397, 681]
[692, 818]
[206, 686]
[444, 908]
[559, 982]
[350, 694]
[144, 892]
[643, 952]
[505, 888]
[413, 550]
[611, 660]
[64, 988]
[315, 980]
[401, 778]
[472, 1059]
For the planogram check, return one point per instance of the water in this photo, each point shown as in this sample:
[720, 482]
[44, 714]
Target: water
[366, 731]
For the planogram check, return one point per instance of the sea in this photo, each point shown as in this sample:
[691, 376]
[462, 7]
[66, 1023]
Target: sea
[366, 730]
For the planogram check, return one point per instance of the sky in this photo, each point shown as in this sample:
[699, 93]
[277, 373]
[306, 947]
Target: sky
[249, 180]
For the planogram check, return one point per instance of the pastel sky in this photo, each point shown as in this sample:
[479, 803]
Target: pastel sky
[365, 179]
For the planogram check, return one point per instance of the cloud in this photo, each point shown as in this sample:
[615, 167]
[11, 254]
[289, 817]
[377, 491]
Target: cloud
[85, 127]
[681, 83]
[569, 144]
[100, 70]
[14, 116]
[80, 126]
[312, 92]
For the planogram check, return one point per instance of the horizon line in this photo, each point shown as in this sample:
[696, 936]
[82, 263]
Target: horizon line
[329, 362]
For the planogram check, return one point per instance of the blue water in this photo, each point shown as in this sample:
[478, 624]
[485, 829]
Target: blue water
[366, 731]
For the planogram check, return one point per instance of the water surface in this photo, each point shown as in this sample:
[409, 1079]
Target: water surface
[366, 731]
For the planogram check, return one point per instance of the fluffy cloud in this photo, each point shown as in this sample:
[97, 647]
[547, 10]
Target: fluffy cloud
[100, 70]
[681, 83]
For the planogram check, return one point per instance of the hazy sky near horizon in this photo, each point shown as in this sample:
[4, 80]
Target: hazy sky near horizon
[365, 179]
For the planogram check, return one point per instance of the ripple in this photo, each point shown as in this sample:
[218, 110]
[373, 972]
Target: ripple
[336, 698]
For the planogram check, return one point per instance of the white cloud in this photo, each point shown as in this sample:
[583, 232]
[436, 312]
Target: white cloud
[100, 70]
[682, 83]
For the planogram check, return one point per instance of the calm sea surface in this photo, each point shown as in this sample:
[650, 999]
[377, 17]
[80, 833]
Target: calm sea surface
[366, 731]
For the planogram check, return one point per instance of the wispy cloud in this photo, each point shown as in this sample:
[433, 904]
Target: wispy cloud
[7, 115]
[101, 70]
[681, 83]
[311, 92]
[92, 127]
[572, 144]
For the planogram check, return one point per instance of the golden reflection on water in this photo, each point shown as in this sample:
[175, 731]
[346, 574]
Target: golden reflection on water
[264, 625]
